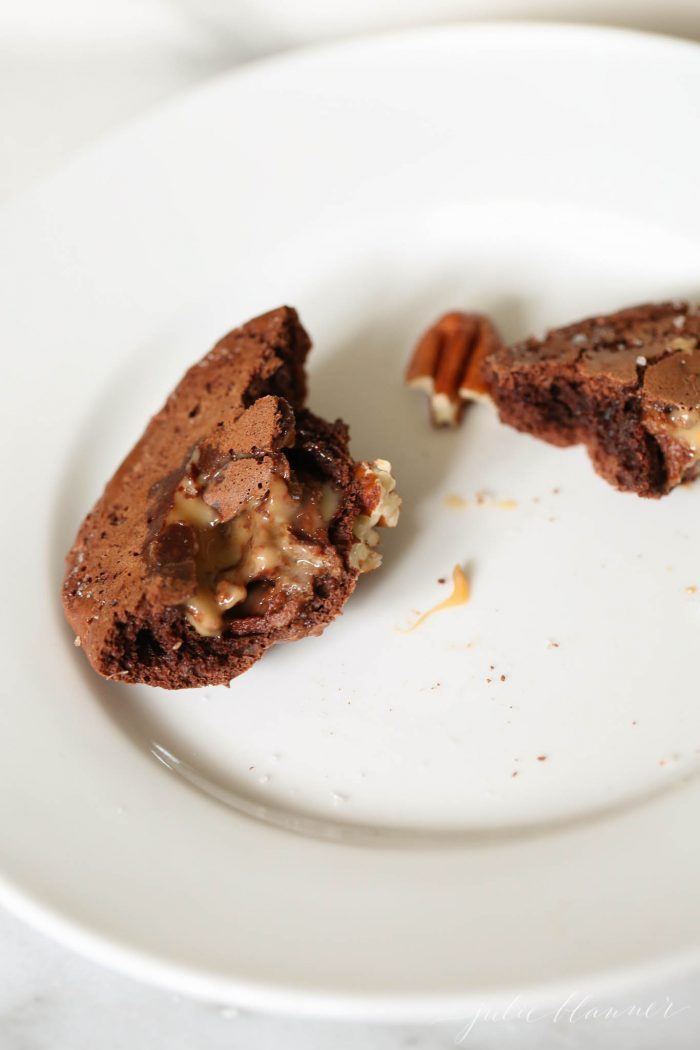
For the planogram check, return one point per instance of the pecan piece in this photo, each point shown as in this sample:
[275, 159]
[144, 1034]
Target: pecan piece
[380, 507]
[446, 364]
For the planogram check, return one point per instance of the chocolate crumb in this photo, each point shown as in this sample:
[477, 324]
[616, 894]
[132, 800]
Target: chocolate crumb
[541, 758]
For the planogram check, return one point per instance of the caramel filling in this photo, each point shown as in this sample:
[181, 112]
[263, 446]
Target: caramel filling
[685, 428]
[271, 551]
[679, 425]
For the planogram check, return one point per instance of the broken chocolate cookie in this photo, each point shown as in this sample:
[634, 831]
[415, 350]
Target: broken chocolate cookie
[626, 385]
[238, 520]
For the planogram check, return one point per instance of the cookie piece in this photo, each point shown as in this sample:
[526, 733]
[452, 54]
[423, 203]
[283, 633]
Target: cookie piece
[626, 385]
[237, 521]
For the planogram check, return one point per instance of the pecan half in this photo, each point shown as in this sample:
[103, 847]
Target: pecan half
[446, 364]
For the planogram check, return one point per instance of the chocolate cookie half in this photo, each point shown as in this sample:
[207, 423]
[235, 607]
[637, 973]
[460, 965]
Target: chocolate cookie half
[238, 520]
[626, 385]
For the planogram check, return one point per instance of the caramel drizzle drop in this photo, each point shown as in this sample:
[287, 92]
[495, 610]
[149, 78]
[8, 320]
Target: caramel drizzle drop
[459, 596]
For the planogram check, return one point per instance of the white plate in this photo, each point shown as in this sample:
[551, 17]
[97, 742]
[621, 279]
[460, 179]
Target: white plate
[341, 832]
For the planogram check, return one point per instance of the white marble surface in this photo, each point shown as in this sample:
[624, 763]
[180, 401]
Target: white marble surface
[50, 999]
[69, 71]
